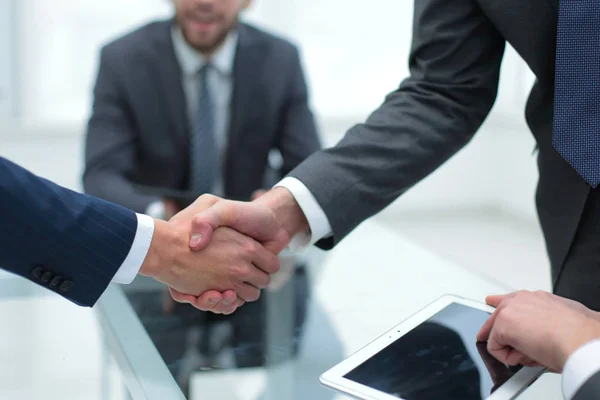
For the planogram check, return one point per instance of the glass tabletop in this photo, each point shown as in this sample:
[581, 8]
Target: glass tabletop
[138, 345]
[52, 349]
[324, 307]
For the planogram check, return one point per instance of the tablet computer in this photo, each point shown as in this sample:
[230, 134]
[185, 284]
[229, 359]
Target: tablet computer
[432, 355]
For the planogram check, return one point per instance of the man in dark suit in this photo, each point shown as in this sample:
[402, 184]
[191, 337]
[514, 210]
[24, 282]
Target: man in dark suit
[195, 104]
[198, 104]
[454, 69]
[75, 245]
[544, 329]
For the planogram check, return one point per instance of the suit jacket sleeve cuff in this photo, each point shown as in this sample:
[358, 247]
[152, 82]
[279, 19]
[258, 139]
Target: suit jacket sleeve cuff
[317, 220]
[580, 367]
[137, 254]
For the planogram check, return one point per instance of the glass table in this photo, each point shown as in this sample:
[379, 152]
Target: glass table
[323, 308]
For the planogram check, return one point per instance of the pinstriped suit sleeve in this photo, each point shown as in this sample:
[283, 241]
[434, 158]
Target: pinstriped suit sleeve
[70, 243]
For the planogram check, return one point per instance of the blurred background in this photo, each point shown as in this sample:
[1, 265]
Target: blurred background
[480, 202]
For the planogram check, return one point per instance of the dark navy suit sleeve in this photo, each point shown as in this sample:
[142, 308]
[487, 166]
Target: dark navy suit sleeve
[70, 243]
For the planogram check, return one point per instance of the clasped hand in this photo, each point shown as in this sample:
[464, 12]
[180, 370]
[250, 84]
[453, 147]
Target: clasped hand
[216, 254]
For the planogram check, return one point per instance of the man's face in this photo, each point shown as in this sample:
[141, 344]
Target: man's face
[206, 23]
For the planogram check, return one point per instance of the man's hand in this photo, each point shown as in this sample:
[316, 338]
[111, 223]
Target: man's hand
[537, 329]
[272, 220]
[232, 261]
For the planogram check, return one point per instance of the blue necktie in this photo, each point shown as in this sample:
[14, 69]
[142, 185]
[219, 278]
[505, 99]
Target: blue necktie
[204, 154]
[577, 87]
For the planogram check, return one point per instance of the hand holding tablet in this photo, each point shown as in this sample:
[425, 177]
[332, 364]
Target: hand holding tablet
[434, 354]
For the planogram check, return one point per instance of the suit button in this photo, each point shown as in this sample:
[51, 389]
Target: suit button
[55, 283]
[65, 287]
[46, 277]
[37, 272]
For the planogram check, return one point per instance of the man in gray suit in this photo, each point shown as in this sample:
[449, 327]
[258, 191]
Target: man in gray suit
[196, 104]
[455, 63]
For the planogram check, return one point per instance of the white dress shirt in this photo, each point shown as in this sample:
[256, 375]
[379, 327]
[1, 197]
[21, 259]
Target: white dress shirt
[139, 249]
[220, 79]
[320, 227]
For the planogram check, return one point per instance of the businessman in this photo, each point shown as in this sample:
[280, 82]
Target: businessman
[196, 104]
[543, 329]
[455, 61]
[75, 245]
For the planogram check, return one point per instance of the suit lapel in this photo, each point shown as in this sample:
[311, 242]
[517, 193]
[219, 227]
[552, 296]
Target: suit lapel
[246, 75]
[170, 86]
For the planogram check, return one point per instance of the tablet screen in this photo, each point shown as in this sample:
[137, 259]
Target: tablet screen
[439, 359]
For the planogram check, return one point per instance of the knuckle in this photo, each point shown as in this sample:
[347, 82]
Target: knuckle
[208, 197]
[251, 247]
[239, 271]
[197, 219]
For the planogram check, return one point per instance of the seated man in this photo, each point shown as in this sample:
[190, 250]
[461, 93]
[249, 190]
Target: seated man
[197, 104]
[544, 329]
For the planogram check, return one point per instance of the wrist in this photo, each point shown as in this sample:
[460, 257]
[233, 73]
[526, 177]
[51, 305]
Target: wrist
[157, 258]
[287, 211]
[581, 336]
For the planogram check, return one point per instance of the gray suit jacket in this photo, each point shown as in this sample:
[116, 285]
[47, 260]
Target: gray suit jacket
[455, 61]
[139, 132]
[590, 389]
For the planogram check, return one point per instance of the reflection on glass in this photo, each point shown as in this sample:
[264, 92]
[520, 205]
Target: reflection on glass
[193, 342]
[439, 359]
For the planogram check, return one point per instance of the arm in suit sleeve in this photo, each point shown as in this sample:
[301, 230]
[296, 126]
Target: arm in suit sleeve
[110, 149]
[298, 136]
[454, 70]
[70, 243]
[581, 375]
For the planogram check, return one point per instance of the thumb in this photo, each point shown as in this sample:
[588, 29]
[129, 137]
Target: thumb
[250, 219]
[201, 234]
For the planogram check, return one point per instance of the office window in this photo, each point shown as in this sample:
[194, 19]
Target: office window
[58, 45]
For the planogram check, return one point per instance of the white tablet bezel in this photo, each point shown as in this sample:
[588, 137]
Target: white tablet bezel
[334, 377]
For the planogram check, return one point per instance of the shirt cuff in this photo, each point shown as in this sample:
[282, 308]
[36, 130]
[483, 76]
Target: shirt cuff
[580, 367]
[137, 254]
[320, 227]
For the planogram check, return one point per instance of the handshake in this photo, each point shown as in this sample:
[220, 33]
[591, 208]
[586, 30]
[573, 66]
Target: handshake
[218, 254]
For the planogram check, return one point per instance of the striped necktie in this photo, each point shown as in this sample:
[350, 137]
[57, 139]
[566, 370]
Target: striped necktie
[204, 151]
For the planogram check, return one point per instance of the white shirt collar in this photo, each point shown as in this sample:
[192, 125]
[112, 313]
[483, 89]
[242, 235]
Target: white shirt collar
[191, 60]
